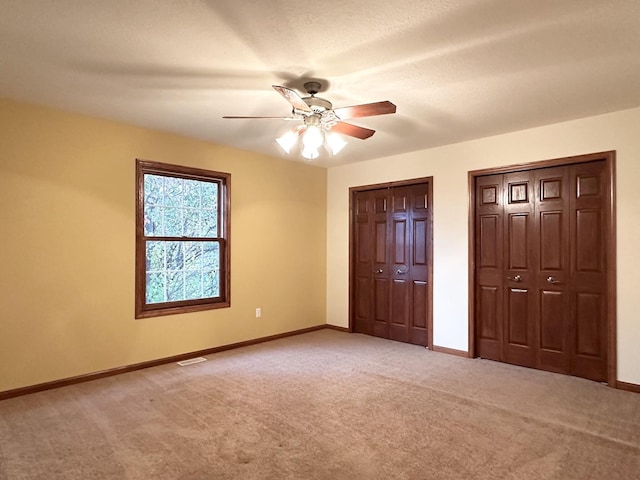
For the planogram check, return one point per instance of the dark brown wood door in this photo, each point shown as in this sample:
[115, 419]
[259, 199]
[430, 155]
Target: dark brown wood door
[519, 255]
[587, 284]
[553, 251]
[541, 269]
[392, 237]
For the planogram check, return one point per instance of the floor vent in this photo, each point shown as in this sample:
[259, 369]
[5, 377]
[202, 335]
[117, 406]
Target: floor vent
[191, 361]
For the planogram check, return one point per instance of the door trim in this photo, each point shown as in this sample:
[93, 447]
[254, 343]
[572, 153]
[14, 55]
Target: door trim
[609, 158]
[352, 218]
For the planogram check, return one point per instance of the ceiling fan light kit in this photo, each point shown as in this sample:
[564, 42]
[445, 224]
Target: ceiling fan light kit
[334, 142]
[322, 124]
[312, 139]
[288, 140]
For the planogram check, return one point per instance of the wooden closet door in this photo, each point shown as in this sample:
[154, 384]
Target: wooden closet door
[520, 308]
[399, 267]
[587, 283]
[541, 268]
[553, 269]
[506, 310]
[409, 234]
[489, 262]
[420, 261]
[392, 256]
[371, 289]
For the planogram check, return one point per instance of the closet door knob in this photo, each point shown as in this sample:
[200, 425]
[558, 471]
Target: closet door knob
[378, 271]
[552, 280]
[400, 272]
[517, 278]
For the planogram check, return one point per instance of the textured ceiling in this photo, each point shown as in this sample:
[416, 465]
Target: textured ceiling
[456, 70]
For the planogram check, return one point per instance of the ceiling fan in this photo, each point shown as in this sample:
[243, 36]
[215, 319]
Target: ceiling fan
[321, 121]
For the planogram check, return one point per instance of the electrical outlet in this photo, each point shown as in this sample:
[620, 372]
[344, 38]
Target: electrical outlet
[258, 312]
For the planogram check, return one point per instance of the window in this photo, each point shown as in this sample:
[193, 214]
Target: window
[182, 239]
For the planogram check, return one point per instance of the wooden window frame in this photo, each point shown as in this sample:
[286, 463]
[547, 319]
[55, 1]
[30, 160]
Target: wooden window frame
[145, 310]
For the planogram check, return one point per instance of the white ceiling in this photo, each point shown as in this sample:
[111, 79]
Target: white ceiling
[456, 70]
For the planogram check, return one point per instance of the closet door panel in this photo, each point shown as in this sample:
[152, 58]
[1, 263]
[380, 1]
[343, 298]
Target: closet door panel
[363, 264]
[553, 270]
[520, 307]
[490, 278]
[419, 263]
[590, 191]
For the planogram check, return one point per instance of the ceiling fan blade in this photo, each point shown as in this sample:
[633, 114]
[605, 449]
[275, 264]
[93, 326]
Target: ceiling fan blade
[352, 130]
[232, 117]
[366, 110]
[292, 97]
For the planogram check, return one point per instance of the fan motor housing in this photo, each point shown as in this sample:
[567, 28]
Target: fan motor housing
[318, 104]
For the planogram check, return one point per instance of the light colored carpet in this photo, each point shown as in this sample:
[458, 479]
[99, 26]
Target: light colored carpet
[325, 405]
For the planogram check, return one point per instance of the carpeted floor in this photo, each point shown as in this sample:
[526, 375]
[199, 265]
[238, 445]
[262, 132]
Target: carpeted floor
[325, 405]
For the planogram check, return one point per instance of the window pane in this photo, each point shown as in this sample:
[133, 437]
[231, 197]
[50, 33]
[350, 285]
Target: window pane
[153, 189]
[192, 222]
[209, 193]
[173, 191]
[175, 259]
[155, 256]
[209, 222]
[156, 287]
[193, 256]
[192, 193]
[176, 207]
[175, 286]
[211, 255]
[172, 222]
[193, 285]
[211, 281]
[153, 221]
[182, 270]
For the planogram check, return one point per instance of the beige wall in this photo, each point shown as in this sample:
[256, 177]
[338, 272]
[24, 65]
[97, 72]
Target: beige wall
[67, 242]
[449, 166]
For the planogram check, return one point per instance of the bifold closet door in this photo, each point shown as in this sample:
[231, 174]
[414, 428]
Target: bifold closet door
[519, 254]
[587, 284]
[506, 308]
[391, 235]
[553, 245]
[541, 269]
